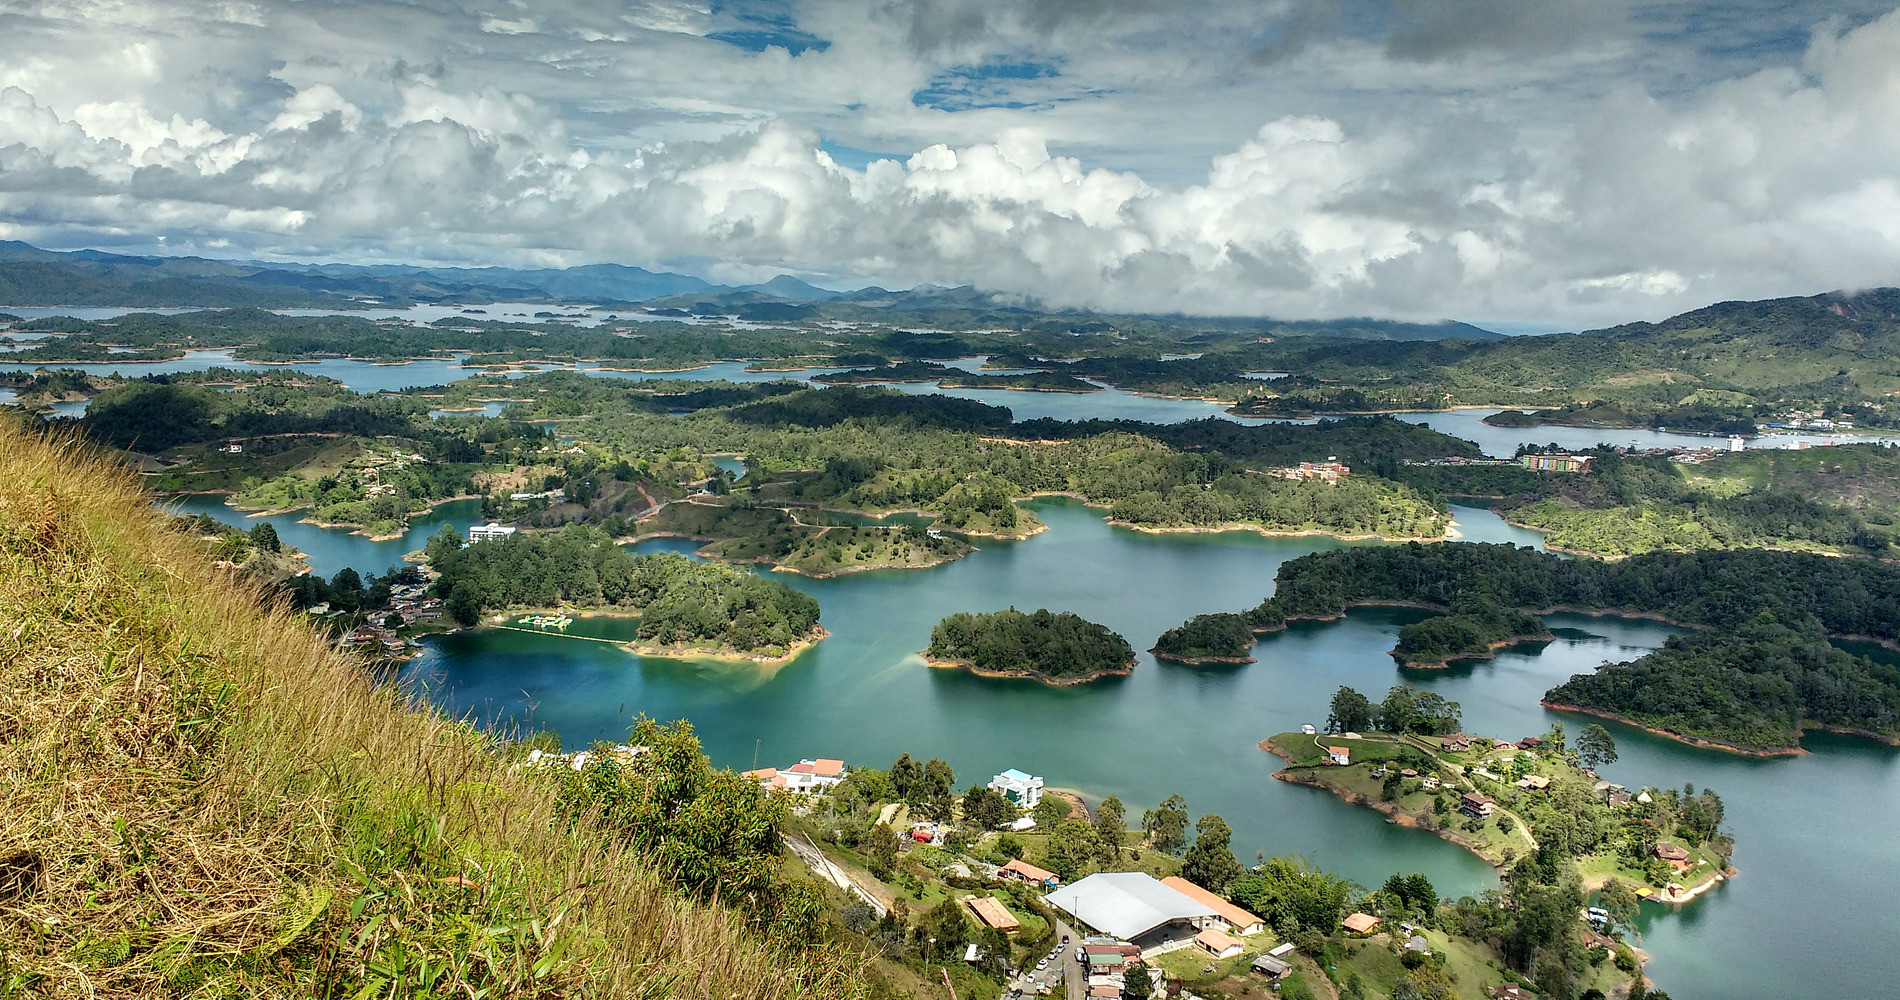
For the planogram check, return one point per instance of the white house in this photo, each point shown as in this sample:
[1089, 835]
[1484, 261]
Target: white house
[485, 532]
[1024, 790]
[807, 777]
[1339, 755]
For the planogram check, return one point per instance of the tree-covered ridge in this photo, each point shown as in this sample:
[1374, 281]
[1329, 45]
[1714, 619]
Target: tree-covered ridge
[1842, 597]
[879, 450]
[1045, 644]
[1757, 690]
[682, 603]
[166, 411]
[1771, 613]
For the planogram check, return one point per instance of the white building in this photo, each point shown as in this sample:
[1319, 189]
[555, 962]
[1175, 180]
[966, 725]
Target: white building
[807, 777]
[1024, 790]
[1134, 907]
[485, 532]
[1735, 442]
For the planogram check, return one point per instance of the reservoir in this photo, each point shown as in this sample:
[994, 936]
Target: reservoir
[863, 695]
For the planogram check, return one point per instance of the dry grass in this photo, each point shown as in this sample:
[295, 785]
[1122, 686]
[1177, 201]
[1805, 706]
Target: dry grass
[198, 798]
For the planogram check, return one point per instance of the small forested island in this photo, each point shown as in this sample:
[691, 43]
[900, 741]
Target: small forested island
[1207, 639]
[1055, 648]
[1763, 672]
[1506, 800]
[686, 608]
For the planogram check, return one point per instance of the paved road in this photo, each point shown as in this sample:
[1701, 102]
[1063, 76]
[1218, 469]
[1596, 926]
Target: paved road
[1063, 966]
[1077, 973]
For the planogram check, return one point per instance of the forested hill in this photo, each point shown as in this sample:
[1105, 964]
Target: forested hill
[1763, 674]
[1843, 597]
[1865, 323]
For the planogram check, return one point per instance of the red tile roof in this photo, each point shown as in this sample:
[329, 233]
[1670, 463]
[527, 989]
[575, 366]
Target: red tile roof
[1238, 918]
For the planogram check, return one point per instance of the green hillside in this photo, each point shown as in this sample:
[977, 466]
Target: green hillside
[198, 797]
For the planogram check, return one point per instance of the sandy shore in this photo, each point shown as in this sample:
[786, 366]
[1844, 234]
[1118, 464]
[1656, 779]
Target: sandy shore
[1025, 674]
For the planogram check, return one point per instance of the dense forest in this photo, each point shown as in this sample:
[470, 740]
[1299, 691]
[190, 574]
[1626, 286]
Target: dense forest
[1043, 644]
[682, 603]
[1756, 689]
[1770, 613]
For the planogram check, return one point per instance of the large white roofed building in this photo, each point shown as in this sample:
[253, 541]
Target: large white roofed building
[1024, 790]
[1136, 908]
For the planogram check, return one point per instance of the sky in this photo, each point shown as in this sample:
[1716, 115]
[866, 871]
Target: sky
[1506, 161]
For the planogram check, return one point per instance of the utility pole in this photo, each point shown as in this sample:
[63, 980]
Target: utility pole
[946, 983]
[755, 754]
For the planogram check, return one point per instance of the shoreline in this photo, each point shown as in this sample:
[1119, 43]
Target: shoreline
[1304, 776]
[1696, 741]
[503, 620]
[792, 652]
[1395, 815]
[1491, 653]
[966, 665]
[1200, 661]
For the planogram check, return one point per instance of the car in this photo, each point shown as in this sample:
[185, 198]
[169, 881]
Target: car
[1065, 939]
[1042, 965]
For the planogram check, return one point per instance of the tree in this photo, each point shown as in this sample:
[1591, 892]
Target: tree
[1398, 709]
[1110, 828]
[1595, 746]
[1555, 741]
[881, 849]
[1427, 982]
[1050, 811]
[1210, 863]
[1072, 845]
[1166, 825]
[264, 538]
[985, 808]
[1617, 899]
[1140, 982]
[465, 606]
[1351, 712]
[907, 778]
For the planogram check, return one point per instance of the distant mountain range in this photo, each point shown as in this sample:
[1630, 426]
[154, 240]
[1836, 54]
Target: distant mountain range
[30, 276]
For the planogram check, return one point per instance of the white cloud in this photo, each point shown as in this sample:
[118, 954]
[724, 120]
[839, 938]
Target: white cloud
[1260, 160]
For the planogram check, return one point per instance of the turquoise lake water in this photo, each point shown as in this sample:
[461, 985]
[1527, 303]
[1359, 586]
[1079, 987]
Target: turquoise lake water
[865, 696]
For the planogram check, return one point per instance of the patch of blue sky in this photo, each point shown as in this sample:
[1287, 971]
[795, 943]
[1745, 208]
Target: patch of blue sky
[853, 158]
[985, 85]
[757, 25]
[758, 40]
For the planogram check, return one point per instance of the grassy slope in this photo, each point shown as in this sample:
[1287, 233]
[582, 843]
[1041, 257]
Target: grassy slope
[199, 798]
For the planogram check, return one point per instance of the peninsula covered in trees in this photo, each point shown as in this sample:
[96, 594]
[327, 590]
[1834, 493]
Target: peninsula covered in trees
[1763, 674]
[1507, 801]
[686, 608]
[1055, 648]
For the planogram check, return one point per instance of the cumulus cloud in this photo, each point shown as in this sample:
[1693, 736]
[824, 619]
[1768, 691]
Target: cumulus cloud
[677, 134]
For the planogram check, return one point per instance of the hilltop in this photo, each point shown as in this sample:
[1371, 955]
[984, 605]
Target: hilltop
[198, 796]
